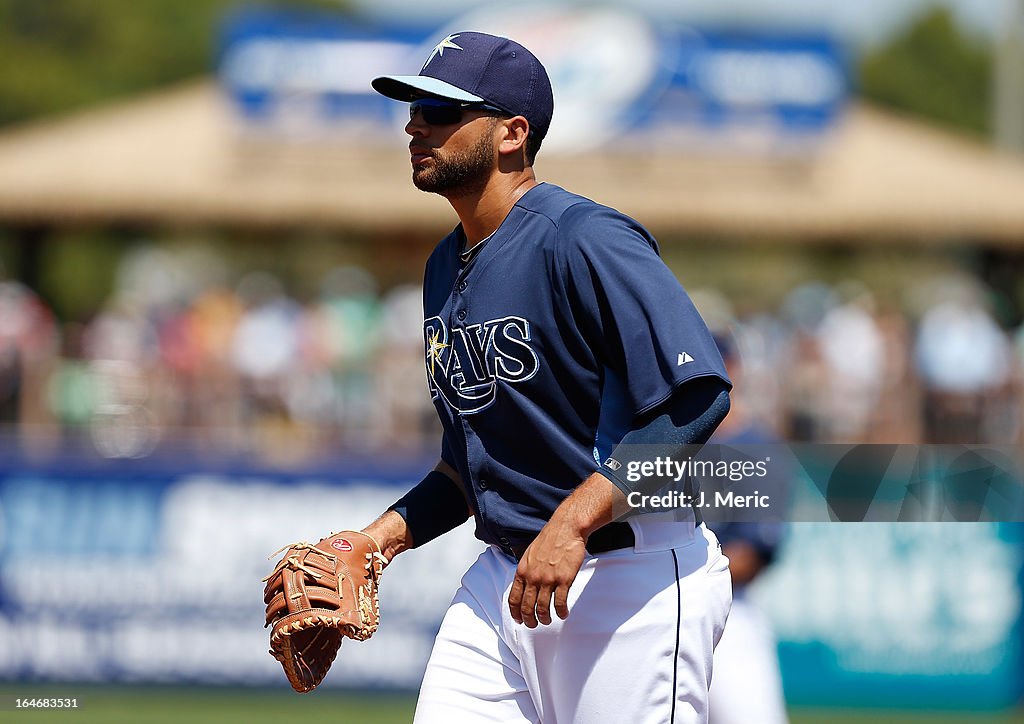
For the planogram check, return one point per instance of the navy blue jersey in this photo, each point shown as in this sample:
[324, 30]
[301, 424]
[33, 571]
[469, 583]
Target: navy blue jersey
[542, 350]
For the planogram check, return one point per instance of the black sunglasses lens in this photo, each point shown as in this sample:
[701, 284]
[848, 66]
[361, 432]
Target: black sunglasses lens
[437, 114]
[442, 115]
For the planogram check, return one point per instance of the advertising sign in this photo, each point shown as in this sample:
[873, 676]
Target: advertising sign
[156, 577]
[137, 572]
[615, 74]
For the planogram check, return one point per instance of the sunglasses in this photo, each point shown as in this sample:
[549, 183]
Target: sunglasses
[445, 113]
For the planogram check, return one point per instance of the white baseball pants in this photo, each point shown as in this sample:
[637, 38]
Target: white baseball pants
[637, 645]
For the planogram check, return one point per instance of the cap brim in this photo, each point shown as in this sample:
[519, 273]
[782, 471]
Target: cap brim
[410, 87]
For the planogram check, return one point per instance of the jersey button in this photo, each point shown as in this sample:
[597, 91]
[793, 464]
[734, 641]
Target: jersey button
[461, 315]
[483, 485]
[504, 542]
[462, 286]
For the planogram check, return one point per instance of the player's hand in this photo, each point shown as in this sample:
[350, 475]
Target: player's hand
[545, 574]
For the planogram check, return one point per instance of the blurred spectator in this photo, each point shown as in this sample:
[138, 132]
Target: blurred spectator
[126, 368]
[197, 345]
[71, 390]
[266, 343]
[409, 416]
[964, 361]
[807, 375]
[341, 340]
[28, 338]
[803, 401]
[854, 360]
[265, 350]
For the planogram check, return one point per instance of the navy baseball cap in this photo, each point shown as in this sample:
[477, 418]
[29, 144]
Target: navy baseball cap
[472, 67]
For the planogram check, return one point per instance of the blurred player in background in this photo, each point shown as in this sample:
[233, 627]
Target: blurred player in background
[747, 686]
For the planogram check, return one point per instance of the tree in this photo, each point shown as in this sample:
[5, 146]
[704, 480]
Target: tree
[56, 55]
[932, 69]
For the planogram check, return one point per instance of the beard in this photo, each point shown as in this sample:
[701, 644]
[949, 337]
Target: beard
[459, 173]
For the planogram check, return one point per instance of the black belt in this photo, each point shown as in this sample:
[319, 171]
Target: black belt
[610, 537]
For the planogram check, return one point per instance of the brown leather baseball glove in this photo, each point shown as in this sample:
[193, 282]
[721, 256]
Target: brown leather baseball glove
[315, 595]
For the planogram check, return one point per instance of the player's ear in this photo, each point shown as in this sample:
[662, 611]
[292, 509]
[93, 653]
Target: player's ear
[514, 133]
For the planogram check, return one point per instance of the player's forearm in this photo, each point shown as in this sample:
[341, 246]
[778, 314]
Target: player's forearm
[594, 503]
[391, 533]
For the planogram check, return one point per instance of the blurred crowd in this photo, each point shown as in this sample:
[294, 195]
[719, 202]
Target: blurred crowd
[833, 364]
[245, 369]
[176, 355]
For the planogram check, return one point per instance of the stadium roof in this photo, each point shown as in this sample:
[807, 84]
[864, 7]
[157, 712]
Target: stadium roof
[180, 156]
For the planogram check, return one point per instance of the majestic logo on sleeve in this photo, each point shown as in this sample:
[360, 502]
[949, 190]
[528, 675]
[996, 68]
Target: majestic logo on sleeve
[465, 364]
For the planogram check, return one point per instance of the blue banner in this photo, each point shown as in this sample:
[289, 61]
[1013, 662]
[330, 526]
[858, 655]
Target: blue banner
[122, 575]
[615, 74]
[905, 615]
[149, 571]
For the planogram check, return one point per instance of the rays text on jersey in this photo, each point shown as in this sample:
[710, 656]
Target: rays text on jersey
[464, 364]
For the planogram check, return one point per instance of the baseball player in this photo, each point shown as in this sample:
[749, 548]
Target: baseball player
[555, 340]
[748, 682]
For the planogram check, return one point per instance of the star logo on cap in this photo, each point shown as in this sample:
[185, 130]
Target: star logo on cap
[439, 49]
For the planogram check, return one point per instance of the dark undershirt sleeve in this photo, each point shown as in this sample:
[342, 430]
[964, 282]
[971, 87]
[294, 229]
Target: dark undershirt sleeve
[688, 417]
[433, 507]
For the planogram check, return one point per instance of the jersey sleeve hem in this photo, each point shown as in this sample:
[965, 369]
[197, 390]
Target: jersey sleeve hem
[677, 384]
